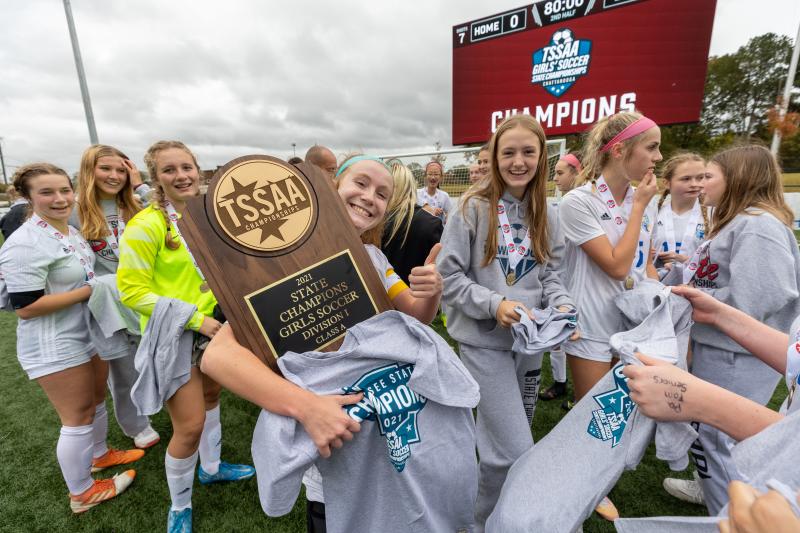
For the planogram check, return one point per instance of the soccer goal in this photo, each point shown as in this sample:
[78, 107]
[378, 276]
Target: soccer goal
[456, 163]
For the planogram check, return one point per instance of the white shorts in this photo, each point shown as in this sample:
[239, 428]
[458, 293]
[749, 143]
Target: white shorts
[588, 349]
[36, 369]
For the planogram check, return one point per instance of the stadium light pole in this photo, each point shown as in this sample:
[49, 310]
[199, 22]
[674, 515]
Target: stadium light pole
[3, 162]
[783, 106]
[76, 51]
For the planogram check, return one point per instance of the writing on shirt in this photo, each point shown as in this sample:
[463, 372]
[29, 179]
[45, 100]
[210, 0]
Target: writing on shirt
[390, 401]
[707, 272]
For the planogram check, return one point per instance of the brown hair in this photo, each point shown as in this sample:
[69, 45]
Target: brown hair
[491, 190]
[90, 213]
[374, 235]
[158, 198]
[605, 129]
[752, 179]
[21, 180]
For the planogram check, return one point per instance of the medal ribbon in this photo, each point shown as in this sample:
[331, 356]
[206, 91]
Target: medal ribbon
[173, 222]
[515, 252]
[690, 267]
[793, 364]
[618, 214]
[67, 247]
[666, 217]
[112, 239]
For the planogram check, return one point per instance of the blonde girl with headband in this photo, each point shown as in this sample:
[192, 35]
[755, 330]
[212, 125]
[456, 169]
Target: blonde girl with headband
[48, 271]
[681, 223]
[431, 196]
[607, 224]
[496, 254]
[155, 262]
[566, 172]
[107, 180]
[749, 261]
[365, 186]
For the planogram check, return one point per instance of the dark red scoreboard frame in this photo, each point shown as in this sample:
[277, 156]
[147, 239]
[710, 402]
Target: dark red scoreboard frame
[647, 54]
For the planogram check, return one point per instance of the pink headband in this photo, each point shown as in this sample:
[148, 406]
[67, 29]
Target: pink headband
[572, 161]
[641, 125]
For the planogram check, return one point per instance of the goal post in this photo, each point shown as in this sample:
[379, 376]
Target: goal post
[456, 162]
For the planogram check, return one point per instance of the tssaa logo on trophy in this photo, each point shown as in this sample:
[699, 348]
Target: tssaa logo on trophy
[263, 205]
[558, 65]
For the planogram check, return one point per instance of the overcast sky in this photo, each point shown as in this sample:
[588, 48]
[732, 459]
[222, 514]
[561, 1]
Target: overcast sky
[235, 77]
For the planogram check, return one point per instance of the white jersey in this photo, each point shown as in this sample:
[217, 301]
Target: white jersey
[32, 260]
[584, 217]
[440, 200]
[686, 239]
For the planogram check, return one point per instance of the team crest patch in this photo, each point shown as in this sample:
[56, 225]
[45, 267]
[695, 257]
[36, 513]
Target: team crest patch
[700, 232]
[608, 422]
[389, 401]
[557, 66]
[526, 264]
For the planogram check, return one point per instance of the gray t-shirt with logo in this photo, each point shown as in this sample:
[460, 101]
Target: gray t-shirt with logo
[412, 467]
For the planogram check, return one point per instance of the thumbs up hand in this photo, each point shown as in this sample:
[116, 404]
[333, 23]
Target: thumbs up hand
[425, 281]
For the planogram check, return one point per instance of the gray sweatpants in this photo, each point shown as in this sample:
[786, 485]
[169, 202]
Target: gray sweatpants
[121, 377]
[558, 364]
[745, 375]
[509, 385]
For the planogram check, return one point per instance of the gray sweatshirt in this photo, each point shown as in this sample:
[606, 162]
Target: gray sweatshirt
[412, 467]
[753, 264]
[473, 292]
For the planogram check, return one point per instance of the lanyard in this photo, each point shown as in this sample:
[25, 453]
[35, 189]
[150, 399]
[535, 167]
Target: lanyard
[112, 239]
[793, 364]
[618, 215]
[667, 217]
[515, 253]
[690, 268]
[173, 222]
[67, 245]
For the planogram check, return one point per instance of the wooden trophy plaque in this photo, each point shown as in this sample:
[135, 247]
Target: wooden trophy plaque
[277, 248]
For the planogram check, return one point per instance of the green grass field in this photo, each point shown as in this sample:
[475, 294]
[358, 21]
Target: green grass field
[34, 497]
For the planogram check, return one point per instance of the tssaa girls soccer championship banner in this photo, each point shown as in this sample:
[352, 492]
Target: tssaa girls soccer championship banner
[571, 62]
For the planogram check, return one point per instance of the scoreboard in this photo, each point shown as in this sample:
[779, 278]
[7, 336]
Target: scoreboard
[571, 62]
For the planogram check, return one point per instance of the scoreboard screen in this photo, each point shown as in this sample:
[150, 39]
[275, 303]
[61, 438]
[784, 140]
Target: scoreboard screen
[571, 62]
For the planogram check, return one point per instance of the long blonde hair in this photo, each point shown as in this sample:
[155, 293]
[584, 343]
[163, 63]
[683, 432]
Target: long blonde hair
[401, 208]
[752, 179]
[491, 189]
[90, 213]
[159, 198]
[605, 129]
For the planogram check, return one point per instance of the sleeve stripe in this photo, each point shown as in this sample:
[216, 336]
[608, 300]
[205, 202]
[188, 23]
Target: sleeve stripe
[396, 289]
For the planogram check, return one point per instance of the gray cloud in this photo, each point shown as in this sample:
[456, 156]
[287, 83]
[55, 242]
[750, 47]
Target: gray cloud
[243, 76]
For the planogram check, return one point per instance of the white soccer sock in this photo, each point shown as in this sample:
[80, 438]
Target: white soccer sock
[211, 442]
[74, 452]
[180, 477]
[100, 427]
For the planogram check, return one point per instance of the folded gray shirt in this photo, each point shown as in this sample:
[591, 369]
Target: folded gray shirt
[549, 327]
[164, 357]
[111, 324]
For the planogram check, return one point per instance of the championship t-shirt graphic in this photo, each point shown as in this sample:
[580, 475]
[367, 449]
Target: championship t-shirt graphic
[389, 401]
